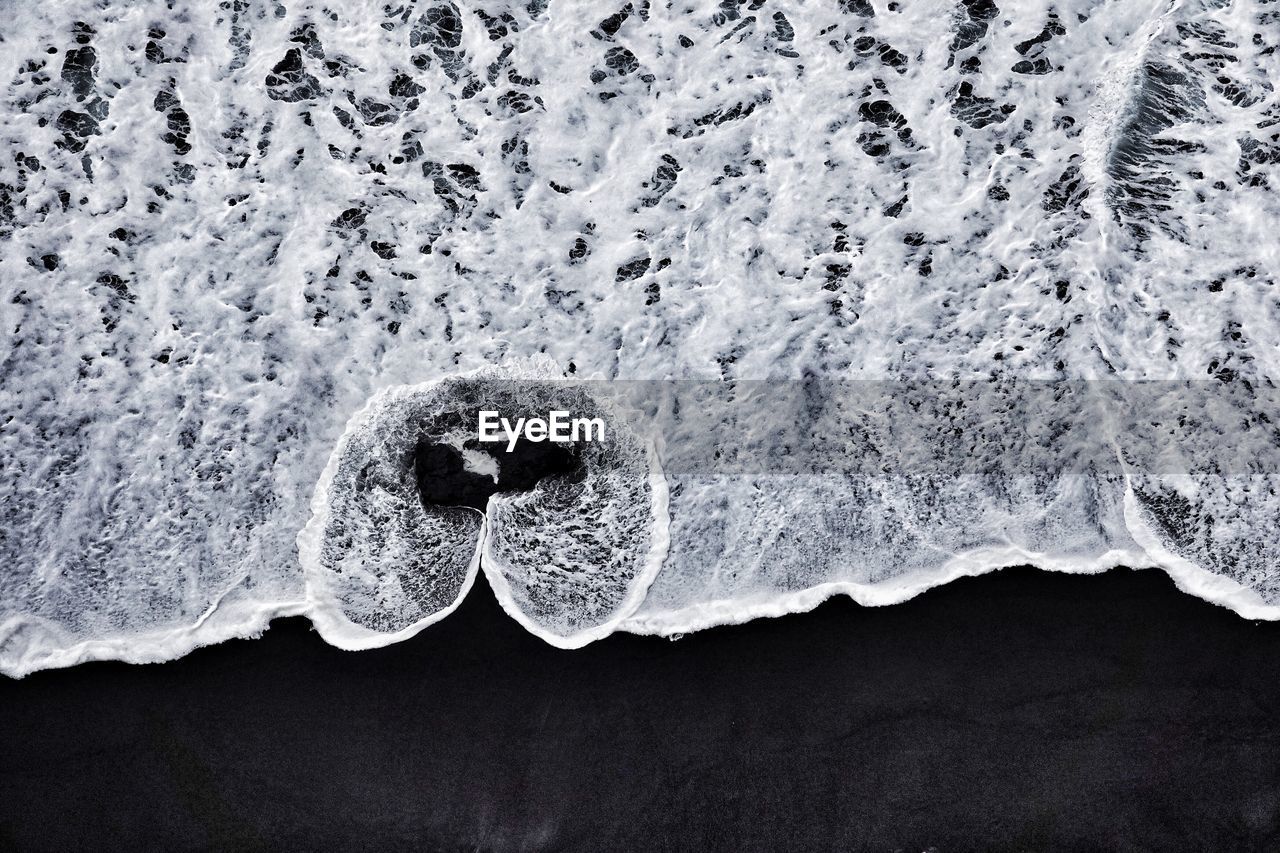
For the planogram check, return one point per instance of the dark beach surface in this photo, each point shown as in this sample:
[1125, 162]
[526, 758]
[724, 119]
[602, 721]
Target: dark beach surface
[1017, 711]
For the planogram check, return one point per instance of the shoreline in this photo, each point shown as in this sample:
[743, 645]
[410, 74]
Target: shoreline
[970, 717]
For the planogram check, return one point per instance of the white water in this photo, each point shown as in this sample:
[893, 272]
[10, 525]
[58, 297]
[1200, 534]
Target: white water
[217, 276]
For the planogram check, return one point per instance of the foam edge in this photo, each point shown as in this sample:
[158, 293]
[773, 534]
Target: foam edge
[321, 605]
[659, 544]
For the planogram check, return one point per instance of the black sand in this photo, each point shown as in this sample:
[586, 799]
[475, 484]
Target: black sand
[1019, 711]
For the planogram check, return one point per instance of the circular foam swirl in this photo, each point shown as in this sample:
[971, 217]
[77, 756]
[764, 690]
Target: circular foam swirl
[387, 553]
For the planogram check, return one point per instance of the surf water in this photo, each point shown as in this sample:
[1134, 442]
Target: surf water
[253, 253]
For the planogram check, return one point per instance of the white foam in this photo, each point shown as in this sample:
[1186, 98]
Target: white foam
[226, 229]
[31, 643]
[570, 559]
[708, 614]
[657, 537]
[372, 609]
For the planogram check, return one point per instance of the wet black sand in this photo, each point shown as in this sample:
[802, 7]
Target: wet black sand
[1018, 711]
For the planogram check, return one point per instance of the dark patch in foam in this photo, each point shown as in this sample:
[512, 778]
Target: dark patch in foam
[289, 80]
[444, 480]
[972, 20]
[975, 110]
[1142, 187]
[1033, 48]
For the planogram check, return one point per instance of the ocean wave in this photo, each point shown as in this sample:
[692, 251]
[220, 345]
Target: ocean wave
[242, 249]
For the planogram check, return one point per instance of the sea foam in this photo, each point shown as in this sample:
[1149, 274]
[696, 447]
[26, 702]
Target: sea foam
[243, 244]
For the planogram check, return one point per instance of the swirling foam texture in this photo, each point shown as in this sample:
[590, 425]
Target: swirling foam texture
[574, 557]
[224, 228]
[570, 558]
[378, 560]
